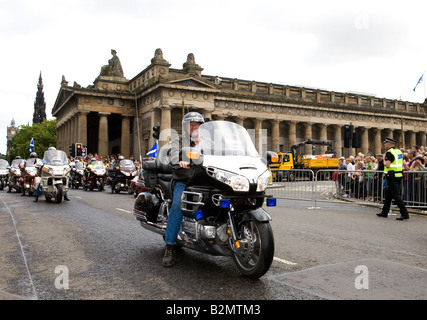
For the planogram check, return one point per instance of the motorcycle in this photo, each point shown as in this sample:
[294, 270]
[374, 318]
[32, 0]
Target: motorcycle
[15, 173]
[76, 174]
[121, 176]
[227, 190]
[96, 177]
[29, 174]
[54, 175]
[4, 173]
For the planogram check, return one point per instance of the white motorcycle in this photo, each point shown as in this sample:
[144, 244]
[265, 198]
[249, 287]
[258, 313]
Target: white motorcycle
[54, 175]
[222, 202]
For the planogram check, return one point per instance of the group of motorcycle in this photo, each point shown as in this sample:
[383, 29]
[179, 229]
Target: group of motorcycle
[53, 175]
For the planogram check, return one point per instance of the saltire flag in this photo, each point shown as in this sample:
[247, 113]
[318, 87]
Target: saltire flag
[153, 151]
[419, 81]
[31, 145]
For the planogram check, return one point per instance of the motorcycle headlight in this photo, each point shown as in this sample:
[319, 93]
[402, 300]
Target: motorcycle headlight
[263, 181]
[235, 181]
[126, 173]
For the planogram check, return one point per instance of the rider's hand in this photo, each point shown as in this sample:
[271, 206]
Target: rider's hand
[184, 164]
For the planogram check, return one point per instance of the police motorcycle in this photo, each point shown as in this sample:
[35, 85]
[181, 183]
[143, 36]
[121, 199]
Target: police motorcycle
[15, 173]
[54, 174]
[95, 175]
[222, 204]
[4, 173]
[76, 174]
[121, 175]
[29, 174]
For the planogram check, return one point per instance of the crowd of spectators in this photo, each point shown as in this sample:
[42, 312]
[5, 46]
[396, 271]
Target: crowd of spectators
[365, 176]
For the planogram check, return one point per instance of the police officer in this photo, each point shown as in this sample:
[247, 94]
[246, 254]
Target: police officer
[393, 169]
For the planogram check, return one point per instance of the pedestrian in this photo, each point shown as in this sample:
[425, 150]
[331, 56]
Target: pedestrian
[393, 169]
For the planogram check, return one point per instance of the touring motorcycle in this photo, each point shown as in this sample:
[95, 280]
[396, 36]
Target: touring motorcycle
[29, 174]
[54, 175]
[16, 168]
[4, 173]
[76, 174]
[227, 190]
[121, 175]
[96, 178]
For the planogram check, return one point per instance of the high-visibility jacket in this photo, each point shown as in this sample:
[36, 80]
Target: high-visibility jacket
[397, 164]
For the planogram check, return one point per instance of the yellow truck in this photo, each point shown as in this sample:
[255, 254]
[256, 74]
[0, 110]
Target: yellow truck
[282, 170]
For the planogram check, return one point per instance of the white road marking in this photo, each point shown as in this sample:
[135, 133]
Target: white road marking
[285, 261]
[120, 209]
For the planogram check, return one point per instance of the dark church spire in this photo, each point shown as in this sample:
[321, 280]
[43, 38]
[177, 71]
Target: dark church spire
[39, 104]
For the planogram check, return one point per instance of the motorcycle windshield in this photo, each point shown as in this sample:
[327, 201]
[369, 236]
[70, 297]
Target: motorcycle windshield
[31, 162]
[17, 162]
[55, 158]
[97, 165]
[223, 138]
[79, 166]
[127, 165]
[3, 164]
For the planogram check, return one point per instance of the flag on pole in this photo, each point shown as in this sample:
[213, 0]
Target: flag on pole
[31, 145]
[419, 81]
[153, 151]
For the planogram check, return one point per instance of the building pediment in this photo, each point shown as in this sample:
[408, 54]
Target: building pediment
[191, 82]
[63, 96]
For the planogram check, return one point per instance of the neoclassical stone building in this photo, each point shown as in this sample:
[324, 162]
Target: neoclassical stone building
[116, 115]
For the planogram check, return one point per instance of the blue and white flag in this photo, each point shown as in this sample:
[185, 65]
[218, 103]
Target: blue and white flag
[31, 145]
[153, 151]
[419, 81]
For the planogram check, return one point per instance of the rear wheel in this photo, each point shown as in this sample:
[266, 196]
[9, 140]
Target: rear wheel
[256, 252]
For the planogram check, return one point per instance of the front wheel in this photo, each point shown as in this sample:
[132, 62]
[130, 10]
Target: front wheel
[58, 196]
[256, 252]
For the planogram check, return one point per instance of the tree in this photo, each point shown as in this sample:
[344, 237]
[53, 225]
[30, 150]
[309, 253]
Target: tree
[44, 135]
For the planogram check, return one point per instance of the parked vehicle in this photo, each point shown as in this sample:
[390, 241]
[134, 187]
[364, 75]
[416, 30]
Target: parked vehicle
[227, 191]
[97, 172]
[4, 173]
[121, 175]
[15, 173]
[29, 174]
[55, 174]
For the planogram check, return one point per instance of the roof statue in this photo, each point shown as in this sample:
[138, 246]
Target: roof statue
[114, 67]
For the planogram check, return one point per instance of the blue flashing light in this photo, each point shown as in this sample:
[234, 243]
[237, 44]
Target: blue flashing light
[198, 214]
[225, 204]
[271, 202]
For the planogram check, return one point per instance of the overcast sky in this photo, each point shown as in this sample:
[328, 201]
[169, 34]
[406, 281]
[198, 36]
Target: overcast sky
[373, 47]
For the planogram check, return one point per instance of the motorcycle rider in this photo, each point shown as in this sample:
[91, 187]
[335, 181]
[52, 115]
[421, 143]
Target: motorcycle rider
[33, 155]
[87, 170]
[10, 190]
[181, 173]
[39, 187]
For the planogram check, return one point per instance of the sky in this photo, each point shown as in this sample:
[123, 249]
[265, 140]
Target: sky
[373, 47]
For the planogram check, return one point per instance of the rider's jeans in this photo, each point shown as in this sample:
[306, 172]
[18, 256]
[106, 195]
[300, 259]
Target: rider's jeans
[175, 214]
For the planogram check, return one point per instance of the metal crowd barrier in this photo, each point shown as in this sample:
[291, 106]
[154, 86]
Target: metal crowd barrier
[365, 187]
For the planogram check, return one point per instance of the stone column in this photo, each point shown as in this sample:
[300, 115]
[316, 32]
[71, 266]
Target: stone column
[365, 140]
[338, 141]
[125, 136]
[165, 125]
[423, 139]
[275, 136]
[258, 135]
[378, 142]
[412, 139]
[308, 136]
[82, 131]
[103, 134]
[239, 120]
[323, 137]
[292, 134]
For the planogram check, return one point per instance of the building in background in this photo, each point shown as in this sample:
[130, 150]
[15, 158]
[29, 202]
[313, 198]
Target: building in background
[39, 104]
[117, 115]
